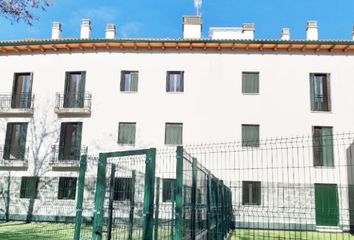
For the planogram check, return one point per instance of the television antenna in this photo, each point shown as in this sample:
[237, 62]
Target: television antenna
[198, 6]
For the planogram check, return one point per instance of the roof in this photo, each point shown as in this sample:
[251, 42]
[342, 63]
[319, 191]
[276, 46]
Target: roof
[68, 44]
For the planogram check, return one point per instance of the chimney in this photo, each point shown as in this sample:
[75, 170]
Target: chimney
[110, 31]
[56, 30]
[312, 30]
[85, 28]
[285, 34]
[248, 30]
[192, 27]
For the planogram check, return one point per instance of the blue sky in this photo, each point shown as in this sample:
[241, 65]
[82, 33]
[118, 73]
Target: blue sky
[162, 18]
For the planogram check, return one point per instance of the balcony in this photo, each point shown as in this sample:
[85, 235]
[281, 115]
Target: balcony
[12, 158]
[67, 157]
[73, 104]
[16, 104]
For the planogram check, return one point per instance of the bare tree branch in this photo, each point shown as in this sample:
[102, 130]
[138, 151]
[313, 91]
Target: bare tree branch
[22, 10]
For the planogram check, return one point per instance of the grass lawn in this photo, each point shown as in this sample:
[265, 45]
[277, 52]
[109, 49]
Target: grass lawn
[37, 231]
[282, 235]
[44, 231]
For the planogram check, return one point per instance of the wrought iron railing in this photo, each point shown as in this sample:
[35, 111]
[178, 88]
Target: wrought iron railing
[16, 101]
[13, 154]
[73, 100]
[67, 154]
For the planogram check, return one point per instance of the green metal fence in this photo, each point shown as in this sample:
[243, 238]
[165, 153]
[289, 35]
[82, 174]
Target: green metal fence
[281, 188]
[145, 194]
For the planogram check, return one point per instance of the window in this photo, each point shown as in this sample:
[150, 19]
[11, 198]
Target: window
[70, 141]
[15, 141]
[320, 92]
[74, 92]
[175, 82]
[126, 133]
[173, 133]
[122, 189]
[67, 188]
[29, 186]
[129, 81]
[323, 147]
[250, 135]
[251, 193]
[22, 90]
[168, 187]
[250, 82]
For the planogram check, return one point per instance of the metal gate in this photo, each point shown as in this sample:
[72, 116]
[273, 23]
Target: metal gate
[167, 194]
[124, 196]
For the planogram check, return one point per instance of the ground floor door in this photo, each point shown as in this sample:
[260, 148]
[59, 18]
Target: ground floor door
[326, 201]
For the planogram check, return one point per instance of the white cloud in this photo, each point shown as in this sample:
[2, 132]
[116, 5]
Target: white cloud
[130, 28]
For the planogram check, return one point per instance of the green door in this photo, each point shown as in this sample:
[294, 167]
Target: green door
[326, 200]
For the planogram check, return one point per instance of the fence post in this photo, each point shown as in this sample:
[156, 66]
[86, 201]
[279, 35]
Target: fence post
[194, 196]
[99, 198]
[218, 213]
[110, 204]
[149, 194]
[132, 206]
[179, 194]
[223, 213]
[80, 196]
[173, 211]
[208, 206]
[157, 197]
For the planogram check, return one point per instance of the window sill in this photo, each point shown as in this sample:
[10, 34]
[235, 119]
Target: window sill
[251, 205]
[173, 145]
[126, 145]
[329, 112]
[128, 92]
[324, 167]
[174, 92]
[250, 147]
[251, 94]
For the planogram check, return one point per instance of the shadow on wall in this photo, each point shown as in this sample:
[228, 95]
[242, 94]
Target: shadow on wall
[42, 133]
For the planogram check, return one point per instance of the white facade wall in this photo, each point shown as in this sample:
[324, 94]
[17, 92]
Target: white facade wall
[212, 107]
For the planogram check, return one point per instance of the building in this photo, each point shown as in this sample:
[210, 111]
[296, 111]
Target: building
[66, 97]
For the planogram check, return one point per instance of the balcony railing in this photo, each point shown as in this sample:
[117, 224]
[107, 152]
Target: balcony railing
[73, 103]
[67, 156]
[16, 103]
[13, 156]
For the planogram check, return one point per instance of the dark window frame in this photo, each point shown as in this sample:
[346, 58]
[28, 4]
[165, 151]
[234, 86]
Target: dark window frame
[320, 102]
[122, 81]
[64, 192]
[256, 193]
[122, 189]
[166, 137]
[180, 88]
[31, 193]
[10, 146]
[250, 143]
[323, 157]
[120, 137]
[168, 189]
[70, 151]
[244, 88]
[21, 99]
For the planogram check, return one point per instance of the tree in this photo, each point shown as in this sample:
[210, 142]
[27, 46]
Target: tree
[22, 10]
